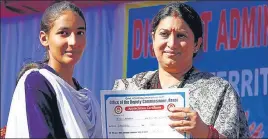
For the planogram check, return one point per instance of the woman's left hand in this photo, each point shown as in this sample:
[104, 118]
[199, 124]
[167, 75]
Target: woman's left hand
[189, 121]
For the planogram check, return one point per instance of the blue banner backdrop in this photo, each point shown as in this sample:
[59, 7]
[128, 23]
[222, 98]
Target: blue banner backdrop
[235, 48]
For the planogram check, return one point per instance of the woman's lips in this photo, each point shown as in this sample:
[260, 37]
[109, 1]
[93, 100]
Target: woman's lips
[172, 53]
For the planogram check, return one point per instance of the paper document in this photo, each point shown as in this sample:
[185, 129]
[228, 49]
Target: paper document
[141, 113]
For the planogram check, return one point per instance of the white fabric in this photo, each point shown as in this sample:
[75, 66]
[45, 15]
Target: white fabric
[17, 125]
[79, 110]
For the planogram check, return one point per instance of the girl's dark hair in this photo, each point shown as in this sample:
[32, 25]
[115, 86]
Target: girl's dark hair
[50, 15]
[26, 67]
[187, 13]
[53, 12]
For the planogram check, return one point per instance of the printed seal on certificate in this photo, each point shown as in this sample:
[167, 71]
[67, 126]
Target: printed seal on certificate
[118, 109]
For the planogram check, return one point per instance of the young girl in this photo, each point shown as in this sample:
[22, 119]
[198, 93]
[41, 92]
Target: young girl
[48, 101]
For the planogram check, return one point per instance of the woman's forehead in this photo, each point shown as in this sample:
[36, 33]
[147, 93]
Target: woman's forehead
[173, 23]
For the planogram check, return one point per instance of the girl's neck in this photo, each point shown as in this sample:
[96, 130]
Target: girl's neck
[168, 79]
[64, 71]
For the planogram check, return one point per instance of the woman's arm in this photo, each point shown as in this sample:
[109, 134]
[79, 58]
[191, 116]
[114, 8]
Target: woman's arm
[231, 121]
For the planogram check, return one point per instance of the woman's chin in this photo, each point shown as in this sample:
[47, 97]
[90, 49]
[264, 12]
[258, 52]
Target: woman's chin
[171, 63]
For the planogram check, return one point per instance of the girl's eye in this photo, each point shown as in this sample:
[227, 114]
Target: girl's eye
[81, 33]
[63, 33]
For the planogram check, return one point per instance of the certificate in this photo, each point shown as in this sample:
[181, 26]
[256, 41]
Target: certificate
[141, 113]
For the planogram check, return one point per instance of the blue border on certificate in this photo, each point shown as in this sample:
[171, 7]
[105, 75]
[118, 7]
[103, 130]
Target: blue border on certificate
[106, 96]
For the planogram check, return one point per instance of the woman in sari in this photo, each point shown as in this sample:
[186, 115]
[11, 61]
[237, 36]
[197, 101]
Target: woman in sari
[215, 109]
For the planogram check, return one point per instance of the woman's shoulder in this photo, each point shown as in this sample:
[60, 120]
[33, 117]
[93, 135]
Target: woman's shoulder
[207, 79]
[135, 82]
[212, 84]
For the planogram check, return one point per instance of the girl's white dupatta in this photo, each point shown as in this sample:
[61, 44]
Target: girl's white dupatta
[17, 125]
[79, 110]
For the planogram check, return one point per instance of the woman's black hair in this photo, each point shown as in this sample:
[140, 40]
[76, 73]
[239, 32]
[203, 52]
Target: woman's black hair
[187, 13]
